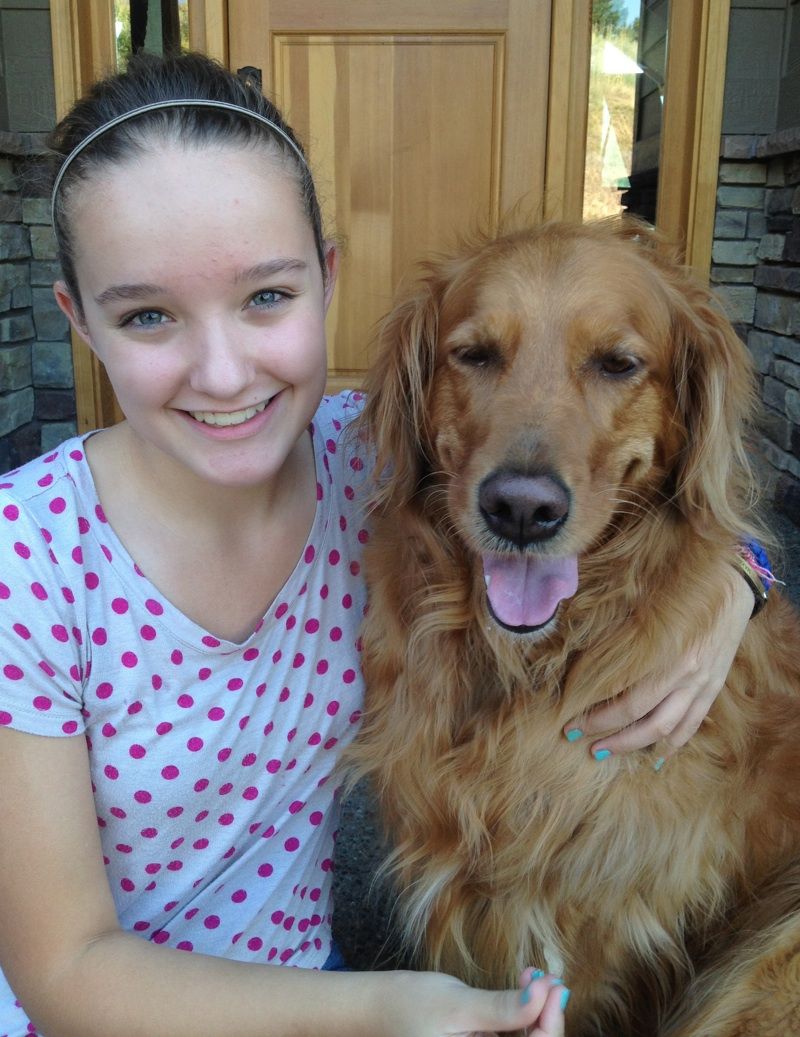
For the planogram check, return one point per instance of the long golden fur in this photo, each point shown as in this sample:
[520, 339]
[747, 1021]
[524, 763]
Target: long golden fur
[585, 363]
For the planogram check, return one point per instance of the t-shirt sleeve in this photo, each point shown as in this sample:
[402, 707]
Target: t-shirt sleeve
[42, 662]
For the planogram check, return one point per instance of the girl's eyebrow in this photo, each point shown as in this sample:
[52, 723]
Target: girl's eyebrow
[127, 291]
[280, 265]
[250, 273]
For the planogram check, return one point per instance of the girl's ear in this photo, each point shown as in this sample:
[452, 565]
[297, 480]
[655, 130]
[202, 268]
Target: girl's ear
[72, 310]
[331, 270]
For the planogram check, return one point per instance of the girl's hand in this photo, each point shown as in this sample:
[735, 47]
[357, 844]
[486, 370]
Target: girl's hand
[429, 1004]
[671, 709]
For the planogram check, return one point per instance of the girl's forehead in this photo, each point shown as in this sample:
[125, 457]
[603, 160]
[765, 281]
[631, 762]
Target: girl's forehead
[190, 207]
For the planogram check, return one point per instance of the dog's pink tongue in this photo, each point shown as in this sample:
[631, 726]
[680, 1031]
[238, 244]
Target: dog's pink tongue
[524, 590]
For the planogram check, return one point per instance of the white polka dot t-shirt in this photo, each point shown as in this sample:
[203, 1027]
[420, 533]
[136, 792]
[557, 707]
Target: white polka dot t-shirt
[211, 761]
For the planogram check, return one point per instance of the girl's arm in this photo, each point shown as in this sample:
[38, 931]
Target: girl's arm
[77, 974]
[671, 709]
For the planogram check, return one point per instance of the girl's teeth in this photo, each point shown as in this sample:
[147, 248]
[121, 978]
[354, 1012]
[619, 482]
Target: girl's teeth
[235, 417]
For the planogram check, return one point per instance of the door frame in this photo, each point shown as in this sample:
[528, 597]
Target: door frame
[83, 47]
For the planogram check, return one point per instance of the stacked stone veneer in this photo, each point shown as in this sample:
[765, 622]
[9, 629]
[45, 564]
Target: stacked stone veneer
[37, 396]
[756, 269]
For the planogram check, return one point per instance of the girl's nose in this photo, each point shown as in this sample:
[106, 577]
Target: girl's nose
[220, 367]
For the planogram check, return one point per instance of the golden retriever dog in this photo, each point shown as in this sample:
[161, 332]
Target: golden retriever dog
[559, 417]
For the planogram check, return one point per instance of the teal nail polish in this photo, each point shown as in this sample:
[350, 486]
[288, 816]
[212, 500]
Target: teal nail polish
[525, 996]
[537, 974]
[574, 734]
[658, 764]
[601, 754]
[564, 998]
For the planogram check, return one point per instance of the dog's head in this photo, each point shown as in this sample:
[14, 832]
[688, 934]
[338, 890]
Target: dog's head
[554, 386]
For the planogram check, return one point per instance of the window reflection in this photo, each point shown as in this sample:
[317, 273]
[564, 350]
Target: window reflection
[626, 96]
[157, 26]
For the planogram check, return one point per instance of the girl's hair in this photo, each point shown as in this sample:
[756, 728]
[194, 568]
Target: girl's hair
[150, 79]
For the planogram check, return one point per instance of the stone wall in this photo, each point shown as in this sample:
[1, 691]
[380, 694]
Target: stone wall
[37, 397]
[756, 269]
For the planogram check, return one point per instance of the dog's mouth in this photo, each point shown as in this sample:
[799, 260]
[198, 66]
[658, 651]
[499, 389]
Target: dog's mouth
[524, 590]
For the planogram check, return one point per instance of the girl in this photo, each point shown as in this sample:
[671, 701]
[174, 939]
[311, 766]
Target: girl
[184, 591]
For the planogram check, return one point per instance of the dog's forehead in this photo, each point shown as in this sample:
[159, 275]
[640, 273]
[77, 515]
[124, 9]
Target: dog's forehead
[561, 281]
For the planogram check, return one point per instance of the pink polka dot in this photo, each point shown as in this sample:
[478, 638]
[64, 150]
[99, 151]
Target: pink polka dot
[161, 937]
[108, 730]
[101, 515]
[315, 818]
[200, 784]
[216, 713]
[5, 593]
[43, 703]
[140, 927]
[184, 945]
[111, 772]
[250, 654]
[211, 922]
[69, 727]
[174, 811]
[92, 581]
[38, 591]
[225, 789]
[154, 607]
[281, 610]
[77, 555]
[291, 844]
[332, 708]
[57, 505]
[255, 943]
[250, 793]
[129, 659]
[200, 844]
[47, 668]
[194, 745]
[235, 683]
[204, 673]
[349, 676]
[138, 752]
[142, 796]
[210, 642]
[298, 660]
[274, 766]
[347, 601]
[147, 632]
[265, 870]
[239, 896]
[224, 754]
[5, 718]
[185, 701]
[13, 673]
[226, 819]
[11, 512]
[174, 865]
[45, 480]
[104, 690]
[163, 728]
[59, 632]
[99, 636]
[177, 657]
[170, 772]
[308, 557]
[296, 807]
[83, 525]
[127, 885]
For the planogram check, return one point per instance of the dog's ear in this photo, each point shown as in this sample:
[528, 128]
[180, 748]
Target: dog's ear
[397, 389]
[715, 390]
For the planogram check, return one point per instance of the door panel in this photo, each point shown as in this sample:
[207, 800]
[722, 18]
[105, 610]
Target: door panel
[415, 137]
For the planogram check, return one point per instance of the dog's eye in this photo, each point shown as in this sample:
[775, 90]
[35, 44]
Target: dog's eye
[618, 365]
[482, 354]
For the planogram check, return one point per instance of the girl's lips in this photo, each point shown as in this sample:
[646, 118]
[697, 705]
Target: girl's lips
[232, 424]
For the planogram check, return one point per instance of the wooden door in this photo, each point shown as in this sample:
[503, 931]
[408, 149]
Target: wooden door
[422, 121]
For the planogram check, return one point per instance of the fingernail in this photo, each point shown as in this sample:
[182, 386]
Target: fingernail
[525, 995]
[574, 734]
[601, 754]
[659, 763]
[564, 998]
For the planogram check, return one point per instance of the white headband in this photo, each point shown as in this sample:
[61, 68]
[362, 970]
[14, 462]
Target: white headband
[184, 102]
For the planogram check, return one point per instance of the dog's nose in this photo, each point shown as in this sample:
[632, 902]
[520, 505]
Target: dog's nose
[523, 509]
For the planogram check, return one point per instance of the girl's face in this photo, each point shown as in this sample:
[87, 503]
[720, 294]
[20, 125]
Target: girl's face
[203, 297]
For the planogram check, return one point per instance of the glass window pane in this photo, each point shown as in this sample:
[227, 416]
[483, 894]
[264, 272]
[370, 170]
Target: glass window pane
[157, 26]
[626, 100]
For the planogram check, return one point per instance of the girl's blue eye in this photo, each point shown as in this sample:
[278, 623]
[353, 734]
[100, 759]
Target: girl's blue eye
[267, 299]
[146, 319]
